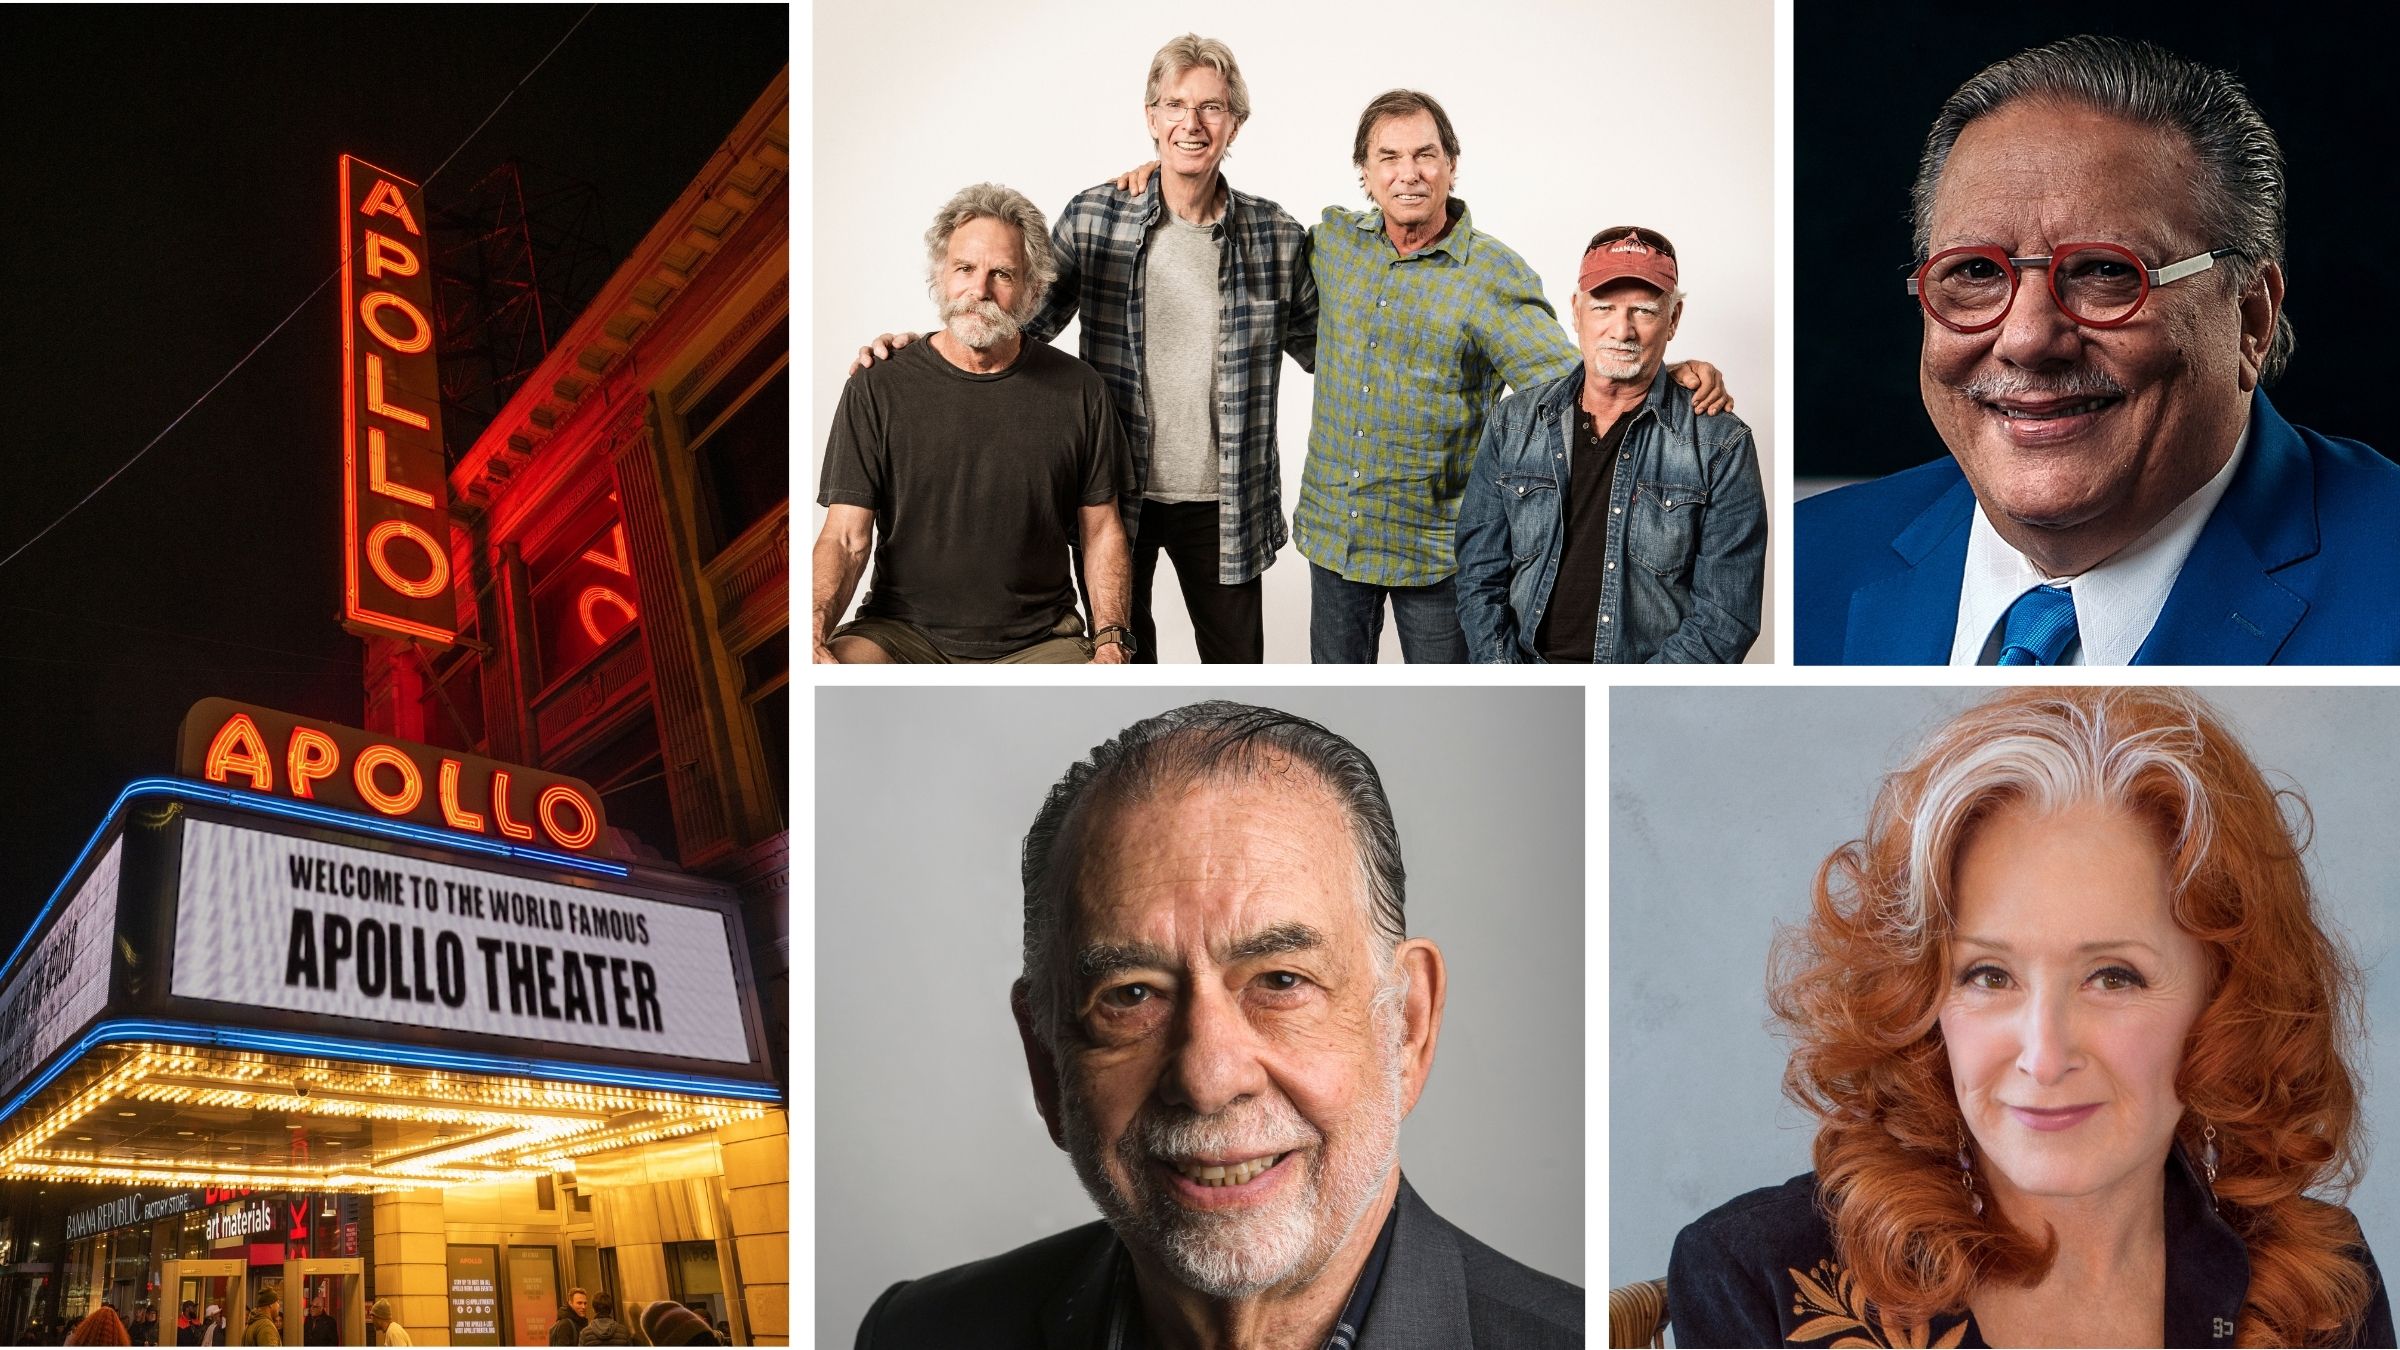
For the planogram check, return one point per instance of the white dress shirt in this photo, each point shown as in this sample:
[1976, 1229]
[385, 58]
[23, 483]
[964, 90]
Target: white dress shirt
[2115, 603]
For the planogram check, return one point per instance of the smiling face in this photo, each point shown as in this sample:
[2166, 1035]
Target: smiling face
[1196, 145]
[1623, 328]
[1228, 1086]
[2072, 991]
[2077, 440]
[1407, 172]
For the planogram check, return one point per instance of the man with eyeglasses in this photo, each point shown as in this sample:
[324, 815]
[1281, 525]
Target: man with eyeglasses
[1190, 292]
[2099, 226]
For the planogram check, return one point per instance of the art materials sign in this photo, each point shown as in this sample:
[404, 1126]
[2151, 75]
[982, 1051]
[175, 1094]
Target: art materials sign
[395, 495]
[241, 745]
[328, 930]
[59, 984]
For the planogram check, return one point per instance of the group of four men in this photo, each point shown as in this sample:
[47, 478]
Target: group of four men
[1601, 514]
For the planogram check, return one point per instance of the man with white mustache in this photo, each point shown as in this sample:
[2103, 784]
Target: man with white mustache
[1190, 292]
[981, 459]
[1425, 319]
[2099, 235]
[1606, 519]
[1225, 1023]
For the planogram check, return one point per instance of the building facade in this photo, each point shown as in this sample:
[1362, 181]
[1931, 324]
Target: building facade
[620, 545]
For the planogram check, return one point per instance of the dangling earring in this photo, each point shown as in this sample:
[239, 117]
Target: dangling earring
[1966, 1171]
[2208, 1156]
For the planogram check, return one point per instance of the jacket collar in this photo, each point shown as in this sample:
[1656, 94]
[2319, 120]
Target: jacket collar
[2227, 607]
[1907, 617]
[1422, 1302]
[1558, 399]
[2208, 1266]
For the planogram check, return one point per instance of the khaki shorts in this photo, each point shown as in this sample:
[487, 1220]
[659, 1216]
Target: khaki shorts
[907, 644]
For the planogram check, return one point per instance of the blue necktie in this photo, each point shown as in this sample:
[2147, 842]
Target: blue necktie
[2039, 628]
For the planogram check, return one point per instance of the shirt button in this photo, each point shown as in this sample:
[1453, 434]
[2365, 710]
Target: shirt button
[1616, 510]
[1604, 618]
[1354, 473]
[1370, 346]
[1354, 515]
[1381, 303]
[1612, 567]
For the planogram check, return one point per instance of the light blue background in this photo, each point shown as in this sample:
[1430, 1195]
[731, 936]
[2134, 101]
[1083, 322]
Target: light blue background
[1722, 802]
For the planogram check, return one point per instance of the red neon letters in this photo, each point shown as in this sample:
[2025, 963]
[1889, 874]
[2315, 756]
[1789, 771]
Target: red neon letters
[395, 492]
[242, 746]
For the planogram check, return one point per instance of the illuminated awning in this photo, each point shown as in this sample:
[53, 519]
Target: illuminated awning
[226, 993]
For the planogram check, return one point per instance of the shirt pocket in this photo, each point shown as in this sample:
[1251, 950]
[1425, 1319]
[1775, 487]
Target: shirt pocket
[1531, 501]
[1664, 532]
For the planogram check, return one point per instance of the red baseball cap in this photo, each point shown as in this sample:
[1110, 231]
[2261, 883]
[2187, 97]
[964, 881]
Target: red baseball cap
[1630, 256]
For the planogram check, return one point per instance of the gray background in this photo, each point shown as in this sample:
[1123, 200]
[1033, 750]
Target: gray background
[1721, 805]
[929, 1152]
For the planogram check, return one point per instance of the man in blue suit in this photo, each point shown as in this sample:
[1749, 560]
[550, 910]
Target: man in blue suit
[2101, 227]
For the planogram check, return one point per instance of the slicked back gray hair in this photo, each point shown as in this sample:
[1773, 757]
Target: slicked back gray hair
[1200, 742]
[1190, 52]
[2240, 185]
[991, 201]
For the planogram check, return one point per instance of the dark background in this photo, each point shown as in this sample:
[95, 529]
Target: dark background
[167, 194]
[1869, 79]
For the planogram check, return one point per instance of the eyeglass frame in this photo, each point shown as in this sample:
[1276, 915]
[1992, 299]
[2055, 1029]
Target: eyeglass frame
[2152, 279]
[1175, 119]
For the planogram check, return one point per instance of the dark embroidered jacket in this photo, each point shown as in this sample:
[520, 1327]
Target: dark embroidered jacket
[1760, 1270]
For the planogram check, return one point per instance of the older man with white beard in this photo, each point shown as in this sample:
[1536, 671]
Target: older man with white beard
[981, 460]
[1225, 1023]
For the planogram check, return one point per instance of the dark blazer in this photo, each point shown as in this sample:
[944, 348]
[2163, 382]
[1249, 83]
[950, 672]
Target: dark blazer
[1441, 1290]
[2298, 565]
[1761, 1270]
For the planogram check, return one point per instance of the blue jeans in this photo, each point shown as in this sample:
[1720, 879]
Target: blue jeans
[1345, 620]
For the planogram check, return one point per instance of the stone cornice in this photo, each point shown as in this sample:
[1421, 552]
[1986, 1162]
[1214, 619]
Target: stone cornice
[748, 169]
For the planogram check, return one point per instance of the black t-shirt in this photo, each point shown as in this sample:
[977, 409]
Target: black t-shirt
[1569, 626]
[975, 482]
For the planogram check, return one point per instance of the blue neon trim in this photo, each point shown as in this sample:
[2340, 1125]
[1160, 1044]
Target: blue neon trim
[384, 1052]
[322, 815]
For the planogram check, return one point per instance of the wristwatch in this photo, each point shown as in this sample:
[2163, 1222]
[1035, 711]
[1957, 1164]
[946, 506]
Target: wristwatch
[1123, 638]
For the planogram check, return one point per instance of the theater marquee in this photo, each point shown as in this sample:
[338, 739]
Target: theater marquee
[272, 920]
[396, 518]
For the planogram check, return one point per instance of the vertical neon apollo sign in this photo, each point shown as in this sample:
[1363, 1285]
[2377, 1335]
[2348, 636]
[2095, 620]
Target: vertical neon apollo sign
[395, 509]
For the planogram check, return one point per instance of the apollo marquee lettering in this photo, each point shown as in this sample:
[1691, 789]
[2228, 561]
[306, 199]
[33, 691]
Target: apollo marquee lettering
[241, 745]
[396, 524]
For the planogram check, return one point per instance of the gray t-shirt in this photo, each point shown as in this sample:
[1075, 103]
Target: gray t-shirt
[976, 482]
[1180, 301]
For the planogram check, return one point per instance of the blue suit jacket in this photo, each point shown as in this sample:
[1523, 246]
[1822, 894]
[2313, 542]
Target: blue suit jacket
[2298, 565]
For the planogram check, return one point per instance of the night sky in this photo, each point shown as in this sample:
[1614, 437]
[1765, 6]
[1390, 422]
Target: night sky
[167, 194]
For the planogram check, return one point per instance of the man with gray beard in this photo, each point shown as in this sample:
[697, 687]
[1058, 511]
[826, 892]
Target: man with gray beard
[981, 460]
[1225, 1023]
[2099, 264]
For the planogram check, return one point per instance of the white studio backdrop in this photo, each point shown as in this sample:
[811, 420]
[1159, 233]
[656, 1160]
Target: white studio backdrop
[1570, 117]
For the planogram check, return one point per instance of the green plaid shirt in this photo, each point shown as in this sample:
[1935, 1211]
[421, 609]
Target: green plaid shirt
[1411, 355]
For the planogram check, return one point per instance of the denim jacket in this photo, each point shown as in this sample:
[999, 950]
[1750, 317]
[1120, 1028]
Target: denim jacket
[1687, 536]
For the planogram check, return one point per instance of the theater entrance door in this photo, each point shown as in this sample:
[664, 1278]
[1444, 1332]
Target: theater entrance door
[341, 1282]
[200, 1283]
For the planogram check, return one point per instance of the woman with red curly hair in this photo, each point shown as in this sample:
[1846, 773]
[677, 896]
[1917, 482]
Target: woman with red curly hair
[2079, 1049]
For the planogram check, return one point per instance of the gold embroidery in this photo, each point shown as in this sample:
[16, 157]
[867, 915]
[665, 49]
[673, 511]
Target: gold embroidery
[1827, 1296]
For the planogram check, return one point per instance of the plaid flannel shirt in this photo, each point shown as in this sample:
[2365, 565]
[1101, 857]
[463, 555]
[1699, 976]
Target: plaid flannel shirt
[1269, 307]
[1416, 352]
